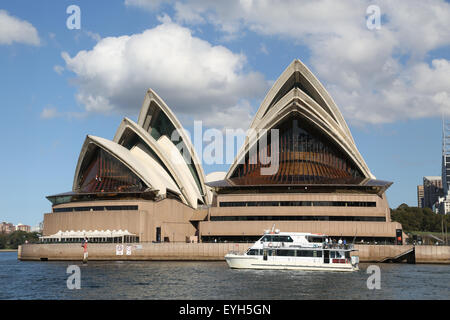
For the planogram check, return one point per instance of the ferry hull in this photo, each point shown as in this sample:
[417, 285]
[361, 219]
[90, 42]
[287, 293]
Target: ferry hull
[256, 262]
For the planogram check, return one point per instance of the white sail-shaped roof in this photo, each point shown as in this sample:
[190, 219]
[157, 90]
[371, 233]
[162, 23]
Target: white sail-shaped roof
[298, 75]
[147, 150]
[156, 118]
[160, 175]
[178, 162]
[297, 91]
[215, 176]
[136, 160]
[162, 149]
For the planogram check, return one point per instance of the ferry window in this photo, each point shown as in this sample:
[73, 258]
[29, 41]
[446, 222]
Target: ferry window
[332, 254]
[347, 254]
[282, 239]
[285, 239]
[277, 239]
[286, 253]
[253, 252]
[304, 253]
[315, 239]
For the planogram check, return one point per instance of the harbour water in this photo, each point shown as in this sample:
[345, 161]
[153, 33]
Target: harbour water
[213, 280]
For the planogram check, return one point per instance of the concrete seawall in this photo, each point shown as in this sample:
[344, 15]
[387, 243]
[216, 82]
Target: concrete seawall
[205, 252]
[423, 254]
[144, 251]
[433, 254]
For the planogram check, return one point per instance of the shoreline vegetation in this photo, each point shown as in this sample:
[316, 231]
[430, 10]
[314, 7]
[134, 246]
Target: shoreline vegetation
[11, 241]
[421, 221]
[422, 225]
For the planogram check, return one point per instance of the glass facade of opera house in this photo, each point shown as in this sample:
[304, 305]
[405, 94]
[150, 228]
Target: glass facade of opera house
[142, 187]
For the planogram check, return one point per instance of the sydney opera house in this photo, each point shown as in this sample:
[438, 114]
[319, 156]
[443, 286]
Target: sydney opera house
[142, 187]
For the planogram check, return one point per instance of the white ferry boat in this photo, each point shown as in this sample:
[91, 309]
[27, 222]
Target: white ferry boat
[295, 251]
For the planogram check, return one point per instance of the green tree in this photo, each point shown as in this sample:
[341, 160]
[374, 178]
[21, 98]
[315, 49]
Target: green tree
[16, 238]
[418, 219]
[2, 241]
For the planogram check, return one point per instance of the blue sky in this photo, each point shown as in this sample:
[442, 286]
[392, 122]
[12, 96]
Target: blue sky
[391, 88]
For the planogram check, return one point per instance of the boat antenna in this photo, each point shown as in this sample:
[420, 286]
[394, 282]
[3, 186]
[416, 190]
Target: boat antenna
[354, 238]
[273, 227]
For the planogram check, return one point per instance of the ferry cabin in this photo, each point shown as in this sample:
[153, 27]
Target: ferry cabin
[310, 254]
[310, 247]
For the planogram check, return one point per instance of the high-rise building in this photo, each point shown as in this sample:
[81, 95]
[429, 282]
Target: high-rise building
[23, 227]
[444, 205]
[7, 227]
[446, 157]
[432, 190]
[420, 197]
[444, 202]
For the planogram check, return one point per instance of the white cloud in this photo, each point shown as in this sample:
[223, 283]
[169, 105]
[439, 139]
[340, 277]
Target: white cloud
[93, 35]
[146, 4]
[58, 69]
[49, 113]
[13, 29]
[375, 76]
[194, 77]
[189, 14]
[263, 49]
[238, 116]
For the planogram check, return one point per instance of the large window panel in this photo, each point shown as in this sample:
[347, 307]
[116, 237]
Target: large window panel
[101, 172]
[306, 155]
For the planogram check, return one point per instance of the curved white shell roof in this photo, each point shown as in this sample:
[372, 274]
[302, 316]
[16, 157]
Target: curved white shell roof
[313, 103]
[188, 183]
[153, 176]
[144, 121]
[156, 161]
[161, 177]
[180, 173]
[175, 165]
[318, 93]
[215, 176]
